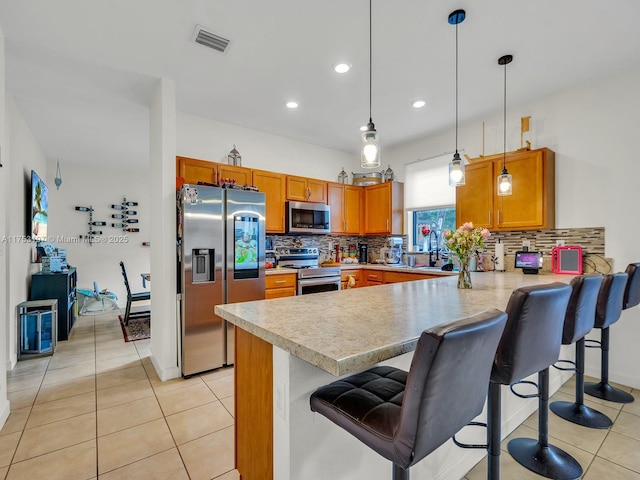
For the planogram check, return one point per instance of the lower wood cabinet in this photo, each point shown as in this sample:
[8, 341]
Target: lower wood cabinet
[344, 278]
[372, 277]
[396, 277]
[280, 285]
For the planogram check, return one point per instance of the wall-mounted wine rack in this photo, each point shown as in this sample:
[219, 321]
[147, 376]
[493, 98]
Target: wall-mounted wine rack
[125, 216]
[91, 233]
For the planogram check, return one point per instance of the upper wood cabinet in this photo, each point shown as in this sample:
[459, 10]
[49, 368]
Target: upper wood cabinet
[194, 170]
[474, 200]
[302, 189]
[346, 207]
[384, 209]
[273, 186]
[241, 175]
[532, 204]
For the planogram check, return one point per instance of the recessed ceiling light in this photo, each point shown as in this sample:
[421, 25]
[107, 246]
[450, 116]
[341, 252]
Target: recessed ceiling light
[419, 104]
[342, 67]
[363, 128]
[292, 105]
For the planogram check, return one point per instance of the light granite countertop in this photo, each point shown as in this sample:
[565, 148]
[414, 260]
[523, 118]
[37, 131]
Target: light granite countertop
[371, 266]
[350, 330]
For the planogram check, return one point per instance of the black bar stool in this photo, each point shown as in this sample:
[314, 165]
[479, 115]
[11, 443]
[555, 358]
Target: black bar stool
[608, 310]
[406, 416]
[578, 322]
[530, 343]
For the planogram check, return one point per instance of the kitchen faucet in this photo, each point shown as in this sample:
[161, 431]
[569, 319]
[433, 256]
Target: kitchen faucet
[432, 263]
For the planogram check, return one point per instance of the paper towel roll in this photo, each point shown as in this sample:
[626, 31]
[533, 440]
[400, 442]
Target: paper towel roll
[499, 257]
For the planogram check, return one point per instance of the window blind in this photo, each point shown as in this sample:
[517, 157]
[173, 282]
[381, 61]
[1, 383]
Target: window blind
[427, 184]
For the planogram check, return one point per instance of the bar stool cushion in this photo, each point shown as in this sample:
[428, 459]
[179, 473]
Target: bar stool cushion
[532, 336]
[610, 299]
[580, 319]
[632, 290]
[405, 416]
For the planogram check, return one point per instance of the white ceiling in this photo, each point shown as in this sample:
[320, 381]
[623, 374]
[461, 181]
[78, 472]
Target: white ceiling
[82, 72]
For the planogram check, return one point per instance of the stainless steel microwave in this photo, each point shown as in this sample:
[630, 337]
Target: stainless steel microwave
[307, 217]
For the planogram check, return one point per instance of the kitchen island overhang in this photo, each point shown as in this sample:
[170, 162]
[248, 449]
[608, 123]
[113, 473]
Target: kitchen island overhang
[313, 339]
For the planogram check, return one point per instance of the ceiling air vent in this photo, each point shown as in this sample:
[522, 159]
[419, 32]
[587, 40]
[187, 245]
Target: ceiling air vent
[204, 37]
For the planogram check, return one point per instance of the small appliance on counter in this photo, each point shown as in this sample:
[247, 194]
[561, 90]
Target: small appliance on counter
[363, 253]
[393, 253]
[566, 259]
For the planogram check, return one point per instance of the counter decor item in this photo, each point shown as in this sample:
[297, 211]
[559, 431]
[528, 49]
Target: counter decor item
[343, 176]
[465, 241]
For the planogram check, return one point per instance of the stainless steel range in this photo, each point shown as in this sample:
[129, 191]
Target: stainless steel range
[311, 278]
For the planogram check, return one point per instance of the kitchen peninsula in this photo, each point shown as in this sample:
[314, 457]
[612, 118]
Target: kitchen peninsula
[287, 347]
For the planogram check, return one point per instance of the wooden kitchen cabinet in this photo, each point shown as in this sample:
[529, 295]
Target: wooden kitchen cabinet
[241, 175]
[344, 278]
[532, 204]
[474, 199]
[372, 277]
[273, 186]
[346, 207]
[384, 209]
[194, 170]
[396, 277]
[280, 285]
[303, 189]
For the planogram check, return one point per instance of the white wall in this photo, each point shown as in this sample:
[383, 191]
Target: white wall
[100, 187]
[198, 137]
[4, 277]
[592, 129]
[20, 157]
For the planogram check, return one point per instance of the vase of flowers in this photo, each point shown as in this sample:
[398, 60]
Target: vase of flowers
[465, 241]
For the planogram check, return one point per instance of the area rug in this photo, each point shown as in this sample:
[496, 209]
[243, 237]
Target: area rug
[139, 328]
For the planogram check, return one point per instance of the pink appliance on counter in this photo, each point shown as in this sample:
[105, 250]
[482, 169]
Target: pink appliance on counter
[567, 259]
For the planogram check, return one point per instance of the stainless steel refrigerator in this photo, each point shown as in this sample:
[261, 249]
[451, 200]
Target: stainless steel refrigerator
[221, 255]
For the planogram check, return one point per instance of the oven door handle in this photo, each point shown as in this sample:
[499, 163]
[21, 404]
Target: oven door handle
[310, 282]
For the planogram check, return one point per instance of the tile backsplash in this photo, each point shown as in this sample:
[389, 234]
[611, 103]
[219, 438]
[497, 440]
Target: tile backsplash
[592, 241]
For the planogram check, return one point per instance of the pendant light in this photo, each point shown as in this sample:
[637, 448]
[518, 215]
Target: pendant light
[370, 154]
[456, 166]
[505, 182]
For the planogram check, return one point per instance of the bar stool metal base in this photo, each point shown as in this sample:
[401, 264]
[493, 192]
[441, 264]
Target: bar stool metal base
[607, 392]
[581, 414]
[549, 461]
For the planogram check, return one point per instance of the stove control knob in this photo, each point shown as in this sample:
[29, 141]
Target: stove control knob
[314, 250]
[286, 252]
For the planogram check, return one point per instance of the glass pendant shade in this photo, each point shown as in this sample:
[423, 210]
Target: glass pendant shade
[370, 157]
[505, 183]
[456, 171]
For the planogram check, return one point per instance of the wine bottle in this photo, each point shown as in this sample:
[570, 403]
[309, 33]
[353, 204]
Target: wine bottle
[97, 232]
[98, 224]
[84, 209]
[130, 204]
[118, 225]
[129, 229]
[131, 220]
[118, 216]
[130, 212]
[118, 207]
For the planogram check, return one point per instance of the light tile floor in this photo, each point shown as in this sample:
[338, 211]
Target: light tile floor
[96, 409]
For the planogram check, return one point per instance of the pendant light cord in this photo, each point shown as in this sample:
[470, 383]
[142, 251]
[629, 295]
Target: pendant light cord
[504, 136]
[370, 67]
[457, 87]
